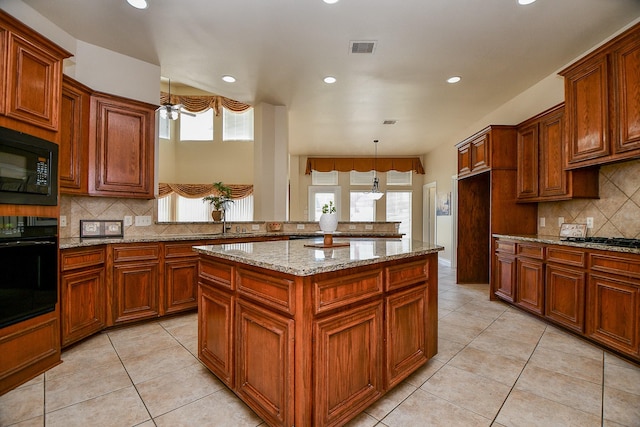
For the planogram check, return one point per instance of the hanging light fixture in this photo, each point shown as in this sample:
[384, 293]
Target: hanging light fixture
[375, 193]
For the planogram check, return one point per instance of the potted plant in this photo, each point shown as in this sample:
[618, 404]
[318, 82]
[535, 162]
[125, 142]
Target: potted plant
[329, 218]
[219, 200]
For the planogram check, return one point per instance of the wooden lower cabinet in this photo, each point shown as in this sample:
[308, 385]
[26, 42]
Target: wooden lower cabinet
[530, 285]
[565, 296]
[180, 270]
[316, 350]
[504, 277]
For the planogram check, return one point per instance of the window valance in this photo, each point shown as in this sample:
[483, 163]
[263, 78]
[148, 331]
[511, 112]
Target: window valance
[199, 103]
[195, 191]
[364, 164]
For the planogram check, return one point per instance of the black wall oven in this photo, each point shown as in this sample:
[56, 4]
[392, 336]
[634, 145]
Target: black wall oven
[28, 267]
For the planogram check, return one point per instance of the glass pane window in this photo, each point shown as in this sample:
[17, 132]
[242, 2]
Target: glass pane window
[361, 207]
[164, 127]
[324, 178]
[175, 208]
[198, 127]
[319, 196]
[361, 178]
[399, 178]
[237, 126]
[399, 210]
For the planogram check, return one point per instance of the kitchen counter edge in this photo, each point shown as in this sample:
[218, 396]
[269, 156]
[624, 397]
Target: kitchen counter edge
[555, 240]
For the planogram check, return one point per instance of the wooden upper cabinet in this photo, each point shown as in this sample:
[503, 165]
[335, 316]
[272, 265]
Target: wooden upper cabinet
[31, 81]
[490, 148]
[121, 147]
[74, 137]
[601, 93]
[541, 175]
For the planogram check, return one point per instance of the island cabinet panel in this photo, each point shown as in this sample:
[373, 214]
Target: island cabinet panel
[83, 293]
[265, 365]
[406, 351]
[135, 281]
[272, 289]
[339, 289]
[399, 276]
[180, 277]
[348, 373]
[219, 273]
[215, 331]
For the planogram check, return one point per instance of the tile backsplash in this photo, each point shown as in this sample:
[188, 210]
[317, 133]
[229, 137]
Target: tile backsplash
[615, 214]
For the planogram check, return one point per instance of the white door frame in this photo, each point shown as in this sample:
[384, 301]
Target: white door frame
[429, 212]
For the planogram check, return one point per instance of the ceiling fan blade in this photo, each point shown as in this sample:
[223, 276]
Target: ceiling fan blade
[188, 113]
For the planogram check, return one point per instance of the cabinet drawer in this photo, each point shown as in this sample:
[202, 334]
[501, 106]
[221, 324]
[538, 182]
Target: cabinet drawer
[407, 274]
[530, 251]
[136, 252]
[183, 249]
[505, 247]
[615, 264]
[572, 257]
[72, 259]
[339, 290]
[269, 289]
[216, 273]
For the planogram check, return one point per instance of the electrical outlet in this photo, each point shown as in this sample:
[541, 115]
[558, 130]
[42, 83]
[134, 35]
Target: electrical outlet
[300, 227]
[255, 227]
[128, 220]
[352, 227]
[63, 220]
[143, 220]
[542, 221]
[368, 227]
[560, 221]
[589, 222]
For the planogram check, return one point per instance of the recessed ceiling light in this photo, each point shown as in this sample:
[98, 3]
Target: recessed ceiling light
[229, 79]
[330, 1]
[454, 79]
[138, 4]
[329, 79]
[524, 2]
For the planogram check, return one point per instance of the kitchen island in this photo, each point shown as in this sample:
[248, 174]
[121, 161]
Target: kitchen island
[308, 335]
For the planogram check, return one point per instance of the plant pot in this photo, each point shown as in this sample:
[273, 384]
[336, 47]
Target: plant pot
[328, 222]
[216, 215]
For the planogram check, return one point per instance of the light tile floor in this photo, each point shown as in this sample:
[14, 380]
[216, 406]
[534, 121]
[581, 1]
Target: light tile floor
[496, 366]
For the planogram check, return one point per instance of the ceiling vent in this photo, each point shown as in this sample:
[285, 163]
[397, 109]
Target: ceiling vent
[363, 46]
[389, 122]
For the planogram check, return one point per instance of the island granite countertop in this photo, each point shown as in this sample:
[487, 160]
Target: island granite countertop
[297, 258]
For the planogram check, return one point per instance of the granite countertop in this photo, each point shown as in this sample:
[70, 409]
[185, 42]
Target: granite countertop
[293, 257]
[556, 240]
[76, 242]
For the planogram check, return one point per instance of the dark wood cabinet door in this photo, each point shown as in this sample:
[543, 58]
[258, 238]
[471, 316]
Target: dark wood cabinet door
[74, 135]
[613, 310]
[136, 291]
[265, 364]
[121, 149]
[530, 283]
[587, 111]
[215, 337]
[626, 69]
[348, 363]
[84, 303]
[504, 277]
[464, 160]
[528, 162]
[553, 177]
[480, 153]
[406, 334]
[565, 296]
[181, 285]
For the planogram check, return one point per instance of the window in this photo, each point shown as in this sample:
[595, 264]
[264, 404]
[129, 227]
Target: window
[175, 208]
[319, 196]
[198, 127]
[237, 126]
[324, 178]
[399, 178]
[361, 178]
[399, 209]
[164, 127]
[361, 207]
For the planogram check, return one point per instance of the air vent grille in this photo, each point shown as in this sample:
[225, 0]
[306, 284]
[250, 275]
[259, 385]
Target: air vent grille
[363, 46]
[389, 122]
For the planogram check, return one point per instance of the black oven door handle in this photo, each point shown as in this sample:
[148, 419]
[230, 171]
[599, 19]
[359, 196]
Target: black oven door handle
[25, 243]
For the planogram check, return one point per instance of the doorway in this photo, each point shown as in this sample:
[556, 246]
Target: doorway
[429, 213]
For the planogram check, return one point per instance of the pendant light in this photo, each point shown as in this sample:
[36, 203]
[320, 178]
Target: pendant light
[375, 193]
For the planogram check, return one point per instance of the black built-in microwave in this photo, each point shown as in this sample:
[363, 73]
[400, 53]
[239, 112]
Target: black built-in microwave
[28, 169]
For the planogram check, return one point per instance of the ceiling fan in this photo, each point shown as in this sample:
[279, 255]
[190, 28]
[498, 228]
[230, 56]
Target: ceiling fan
[172, 111]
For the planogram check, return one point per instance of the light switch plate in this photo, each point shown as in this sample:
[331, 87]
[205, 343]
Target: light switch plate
[589, 222]
[542, 221]
[255, 227]
[63, 220]
[143, 220]
[560, 221]
[300, 227]
[368, 227]
[128, 220]
[352, 227]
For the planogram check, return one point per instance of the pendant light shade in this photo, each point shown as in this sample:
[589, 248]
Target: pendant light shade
[375, 193]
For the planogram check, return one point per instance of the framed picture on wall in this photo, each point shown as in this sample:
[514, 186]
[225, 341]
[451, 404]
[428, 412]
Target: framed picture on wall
[443, 204]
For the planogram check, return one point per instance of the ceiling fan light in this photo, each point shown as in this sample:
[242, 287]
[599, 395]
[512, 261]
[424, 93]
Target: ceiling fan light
[172, 114]
[138, 4]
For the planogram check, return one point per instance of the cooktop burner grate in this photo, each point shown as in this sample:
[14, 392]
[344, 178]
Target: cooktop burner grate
[608, 241]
